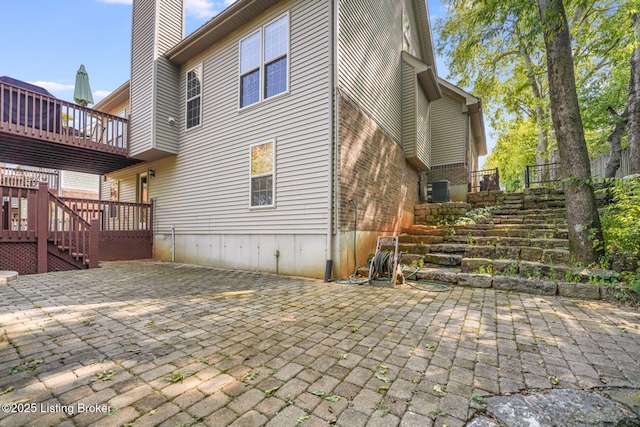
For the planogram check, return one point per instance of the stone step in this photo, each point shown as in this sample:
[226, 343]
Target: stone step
[445, 248]
[555, 256]
[532, 269]
[492, 238]
[449, 260]
[544, 243]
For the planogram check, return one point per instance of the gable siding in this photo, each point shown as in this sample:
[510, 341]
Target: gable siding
[205, 188]
[144, 14]
[167, 78]
[423, 131]
[369, 56]
[447, 132]
[408, 110]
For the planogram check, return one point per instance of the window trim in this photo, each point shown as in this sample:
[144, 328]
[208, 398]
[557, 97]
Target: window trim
[186, 95]
[261, 65]
[273, 175]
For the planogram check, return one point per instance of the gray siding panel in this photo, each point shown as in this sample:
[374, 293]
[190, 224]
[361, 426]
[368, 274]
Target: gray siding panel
[447, 132]
[142, 75]
[205, 188]
[79, 181]
[423, 139]
[157, 26]
[409, 110]
[369, 56]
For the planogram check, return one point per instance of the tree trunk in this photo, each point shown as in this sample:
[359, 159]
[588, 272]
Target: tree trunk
[615, 145]
[582, 215]
[634, 106]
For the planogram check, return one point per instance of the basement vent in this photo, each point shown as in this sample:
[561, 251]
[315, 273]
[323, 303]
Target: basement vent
[440, 192]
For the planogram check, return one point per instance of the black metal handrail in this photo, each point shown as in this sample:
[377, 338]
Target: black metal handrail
[543, 174]
[484, 180]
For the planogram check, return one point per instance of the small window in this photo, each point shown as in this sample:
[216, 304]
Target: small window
[262, 174]
[194, 96]
[264, 63]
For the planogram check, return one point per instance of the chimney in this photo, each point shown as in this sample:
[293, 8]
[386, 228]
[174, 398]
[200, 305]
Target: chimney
[157, 26]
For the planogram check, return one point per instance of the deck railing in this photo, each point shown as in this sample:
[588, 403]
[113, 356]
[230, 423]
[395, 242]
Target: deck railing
[28, 178]
[70, 232]
[133, 218]
[18, 218]
[33, 114]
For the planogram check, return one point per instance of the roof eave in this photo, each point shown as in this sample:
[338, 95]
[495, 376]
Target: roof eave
[233, 17]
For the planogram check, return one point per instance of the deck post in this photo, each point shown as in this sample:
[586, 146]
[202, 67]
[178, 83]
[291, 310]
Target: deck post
[94, 244]
[42, 225]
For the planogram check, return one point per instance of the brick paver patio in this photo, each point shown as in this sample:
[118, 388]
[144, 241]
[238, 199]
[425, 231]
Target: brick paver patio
[170, 344]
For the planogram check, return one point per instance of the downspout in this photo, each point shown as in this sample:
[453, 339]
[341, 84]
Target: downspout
[333, 136]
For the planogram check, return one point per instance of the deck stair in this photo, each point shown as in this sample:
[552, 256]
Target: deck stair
[524, 238]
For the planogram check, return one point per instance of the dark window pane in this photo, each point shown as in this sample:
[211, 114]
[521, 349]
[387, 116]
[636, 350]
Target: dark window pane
[250, 88]
[262, 191]
[193, 112]
[275, 77]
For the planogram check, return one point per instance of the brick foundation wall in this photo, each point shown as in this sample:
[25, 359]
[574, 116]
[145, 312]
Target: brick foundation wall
[372, 171]
[455, 173]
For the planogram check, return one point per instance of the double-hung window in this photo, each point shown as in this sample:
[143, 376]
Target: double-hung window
[194, 96]
[264, 62]
[262, 174]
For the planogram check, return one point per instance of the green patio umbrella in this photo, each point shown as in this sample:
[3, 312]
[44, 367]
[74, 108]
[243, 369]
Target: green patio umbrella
[82, 93]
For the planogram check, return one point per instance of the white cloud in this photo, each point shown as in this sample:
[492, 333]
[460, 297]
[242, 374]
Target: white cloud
[229, 2]
[116, 1]
[101, 93]
[201, 9]
[53, 86]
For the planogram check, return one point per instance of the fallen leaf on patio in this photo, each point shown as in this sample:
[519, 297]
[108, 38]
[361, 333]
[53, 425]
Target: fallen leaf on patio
[271, 391]
[383, 388]
[440, 388]
[17, 402]
[106, 375]
[554, 380]
[332, 398]
[382, 377]
[303, 419]
[344, 356]
[318, 393]
[429, 346]
[7, 390]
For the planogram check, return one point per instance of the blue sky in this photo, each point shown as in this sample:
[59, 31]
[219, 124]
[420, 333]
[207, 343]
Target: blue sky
[45, 41]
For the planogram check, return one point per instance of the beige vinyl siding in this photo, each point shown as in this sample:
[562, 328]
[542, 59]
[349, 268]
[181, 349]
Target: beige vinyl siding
[416, 44]
[167, 77]
[416, 140]
[447, 132]
[142, 64]
[154, 80]
[423, 131]
[79, 181]
[369, 65]
[408, 110]
[205, 188]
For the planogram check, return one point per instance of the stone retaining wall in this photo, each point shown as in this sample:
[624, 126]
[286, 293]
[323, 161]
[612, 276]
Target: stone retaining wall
[482, 199]
[439, 213]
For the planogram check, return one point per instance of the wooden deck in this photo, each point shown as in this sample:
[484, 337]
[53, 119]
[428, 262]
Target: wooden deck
[40, 232]
[42, 131]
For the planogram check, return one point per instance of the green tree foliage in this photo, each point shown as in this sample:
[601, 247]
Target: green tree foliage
[496, 49]
[513, 151]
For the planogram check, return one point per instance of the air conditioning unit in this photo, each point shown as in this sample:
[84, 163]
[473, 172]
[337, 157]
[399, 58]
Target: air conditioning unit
[440, 192]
